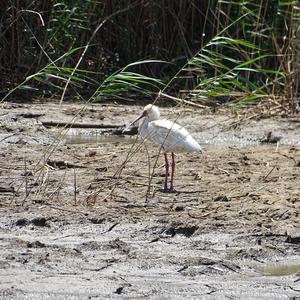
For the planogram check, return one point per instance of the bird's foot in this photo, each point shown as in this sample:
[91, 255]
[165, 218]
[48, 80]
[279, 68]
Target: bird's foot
[172, 190]
[168, 190]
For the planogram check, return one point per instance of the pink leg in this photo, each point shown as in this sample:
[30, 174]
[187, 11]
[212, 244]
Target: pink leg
[172, 171]
[167, 171]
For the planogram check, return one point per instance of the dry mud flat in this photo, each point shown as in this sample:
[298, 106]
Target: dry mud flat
[232, 230]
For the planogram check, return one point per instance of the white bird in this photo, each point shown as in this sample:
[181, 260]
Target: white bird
[169, 135]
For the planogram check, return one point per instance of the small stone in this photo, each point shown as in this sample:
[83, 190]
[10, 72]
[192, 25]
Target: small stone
[39, 221]
[222, 198]
[179, 208]
[22, 222]
[35, 244]
[293, 236]
[119, 290]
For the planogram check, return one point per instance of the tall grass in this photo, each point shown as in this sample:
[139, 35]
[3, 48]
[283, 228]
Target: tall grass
[218, 49]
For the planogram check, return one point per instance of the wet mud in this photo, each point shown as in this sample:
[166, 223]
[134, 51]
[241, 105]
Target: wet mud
[77, 221]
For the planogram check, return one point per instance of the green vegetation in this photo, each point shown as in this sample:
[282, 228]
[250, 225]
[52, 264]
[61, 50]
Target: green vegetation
[213, 51]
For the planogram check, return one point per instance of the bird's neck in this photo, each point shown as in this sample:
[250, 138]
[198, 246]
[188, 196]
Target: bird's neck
[143, 126]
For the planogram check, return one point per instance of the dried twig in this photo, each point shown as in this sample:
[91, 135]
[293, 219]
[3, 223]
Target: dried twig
[75, 187]
[7, 137]
[79, 125]
[34, 12]
[223, 170]
[266, 176]
[9, 189]
[182, 100]
[118, 172]
[26, 177]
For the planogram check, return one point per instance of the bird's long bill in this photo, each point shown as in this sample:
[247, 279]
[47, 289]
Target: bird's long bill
[130, 124]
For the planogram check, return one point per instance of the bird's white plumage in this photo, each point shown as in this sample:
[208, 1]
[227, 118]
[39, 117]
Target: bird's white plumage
[170, 135]
[153, 112]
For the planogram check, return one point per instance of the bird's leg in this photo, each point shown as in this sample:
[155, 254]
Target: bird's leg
[172, 171]
[167, 172]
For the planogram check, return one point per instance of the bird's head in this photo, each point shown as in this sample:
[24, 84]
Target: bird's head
[150, 111]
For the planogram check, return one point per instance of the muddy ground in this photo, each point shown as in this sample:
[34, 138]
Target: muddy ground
[76, 225]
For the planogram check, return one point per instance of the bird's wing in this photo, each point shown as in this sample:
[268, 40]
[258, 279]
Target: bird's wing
[172, 136]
